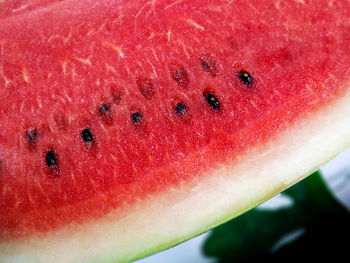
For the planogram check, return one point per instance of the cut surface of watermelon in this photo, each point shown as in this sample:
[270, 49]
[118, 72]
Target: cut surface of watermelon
[127, 127]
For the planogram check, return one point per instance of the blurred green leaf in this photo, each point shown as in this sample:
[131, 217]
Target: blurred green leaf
[320, 222]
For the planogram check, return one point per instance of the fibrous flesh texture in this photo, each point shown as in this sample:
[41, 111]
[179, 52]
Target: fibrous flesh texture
[129, 126]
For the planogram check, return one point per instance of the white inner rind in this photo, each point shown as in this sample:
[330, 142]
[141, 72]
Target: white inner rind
[192, 208]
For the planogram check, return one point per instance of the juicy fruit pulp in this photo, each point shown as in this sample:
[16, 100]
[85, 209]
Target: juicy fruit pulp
[106, 104]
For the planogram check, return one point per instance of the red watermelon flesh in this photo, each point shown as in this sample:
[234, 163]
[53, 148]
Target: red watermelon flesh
[114, 114]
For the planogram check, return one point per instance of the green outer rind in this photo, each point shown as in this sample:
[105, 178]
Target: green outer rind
[170, 218]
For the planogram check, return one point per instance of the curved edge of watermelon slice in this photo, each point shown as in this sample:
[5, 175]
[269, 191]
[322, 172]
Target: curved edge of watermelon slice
[190, 209]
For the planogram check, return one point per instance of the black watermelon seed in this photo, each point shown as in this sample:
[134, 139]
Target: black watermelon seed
[103, 108]
[182, 112]
[51, 159]
[212, 100]
[209, 65]
[32, 135]
[245, 77]
[136, 117]
[87, 135]
[180, 75]
[146, 87]
[180, 109]
[104, 111]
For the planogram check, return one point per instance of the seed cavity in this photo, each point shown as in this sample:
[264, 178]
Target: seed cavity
[209, 65]
[146, 87]
[245, 77]
[136, 117]
[212, 100]
[116, 94]
[52, 161]
[61, 121]
[180, 75]
[104, 110]
[86, 134]
[31, 137]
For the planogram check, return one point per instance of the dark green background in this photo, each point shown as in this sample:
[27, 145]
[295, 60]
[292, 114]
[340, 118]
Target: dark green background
[321, 225]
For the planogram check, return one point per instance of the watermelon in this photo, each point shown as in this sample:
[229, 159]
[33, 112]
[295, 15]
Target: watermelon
[127, 127]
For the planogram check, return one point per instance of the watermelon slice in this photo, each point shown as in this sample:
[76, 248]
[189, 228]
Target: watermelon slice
[127, 127]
